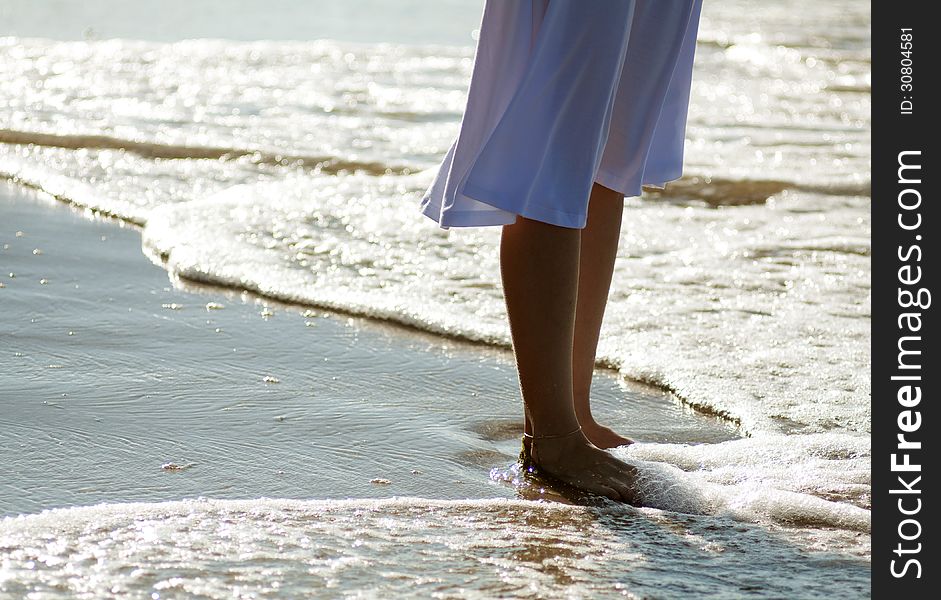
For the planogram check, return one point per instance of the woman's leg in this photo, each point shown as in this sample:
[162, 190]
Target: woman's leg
[599, 245]
[539, 267]
[597, 252]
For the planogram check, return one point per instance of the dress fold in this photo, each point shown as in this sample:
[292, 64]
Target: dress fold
[564, 94]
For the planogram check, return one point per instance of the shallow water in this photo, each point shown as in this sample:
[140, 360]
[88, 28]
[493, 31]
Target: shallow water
[354, 548]
[103, 404]
[110, 374]
[294, 169]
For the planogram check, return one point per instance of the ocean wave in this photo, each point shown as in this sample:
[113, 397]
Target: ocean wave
[743, 288]
[800, 480]
[359, 248]
[809, 480]
[477, 548]
[328, 165]
[719, 191]
[355, 243]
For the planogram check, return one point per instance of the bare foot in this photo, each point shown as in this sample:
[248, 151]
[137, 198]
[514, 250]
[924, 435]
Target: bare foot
[574, 460]
[604, 437]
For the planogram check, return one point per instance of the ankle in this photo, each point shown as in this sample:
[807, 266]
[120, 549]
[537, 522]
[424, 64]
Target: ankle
[554, 447]
[586, 420]
[552, 436]
[554, 429]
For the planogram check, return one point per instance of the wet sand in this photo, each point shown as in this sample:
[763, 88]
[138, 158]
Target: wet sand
[117, 385]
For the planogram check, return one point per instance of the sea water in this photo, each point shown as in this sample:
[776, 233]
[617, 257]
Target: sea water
[123, 394]
[294, 168]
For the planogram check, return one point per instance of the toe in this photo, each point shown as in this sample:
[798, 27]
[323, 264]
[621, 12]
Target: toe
[600, 485]
[607, 491]
[624, 482]
[623, 487]
[627, 493]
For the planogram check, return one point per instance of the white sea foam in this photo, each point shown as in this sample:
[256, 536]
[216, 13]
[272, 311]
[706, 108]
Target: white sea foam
[809, 480]
[802, 480]
[474, 549]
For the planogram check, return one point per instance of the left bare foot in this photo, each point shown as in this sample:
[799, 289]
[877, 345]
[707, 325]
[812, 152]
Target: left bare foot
[604, 437]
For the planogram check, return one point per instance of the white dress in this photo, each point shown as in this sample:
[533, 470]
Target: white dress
[565, 93]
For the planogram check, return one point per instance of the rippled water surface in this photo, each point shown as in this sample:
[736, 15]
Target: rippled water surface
[471, 549]
[293, 169]
[119, 388]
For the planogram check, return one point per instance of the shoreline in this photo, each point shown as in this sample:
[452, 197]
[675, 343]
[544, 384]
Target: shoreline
[277, 377]
[198, 286]
[234, 359]
[167, 412]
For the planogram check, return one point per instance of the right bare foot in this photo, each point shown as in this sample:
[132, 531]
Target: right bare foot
[574, 460]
